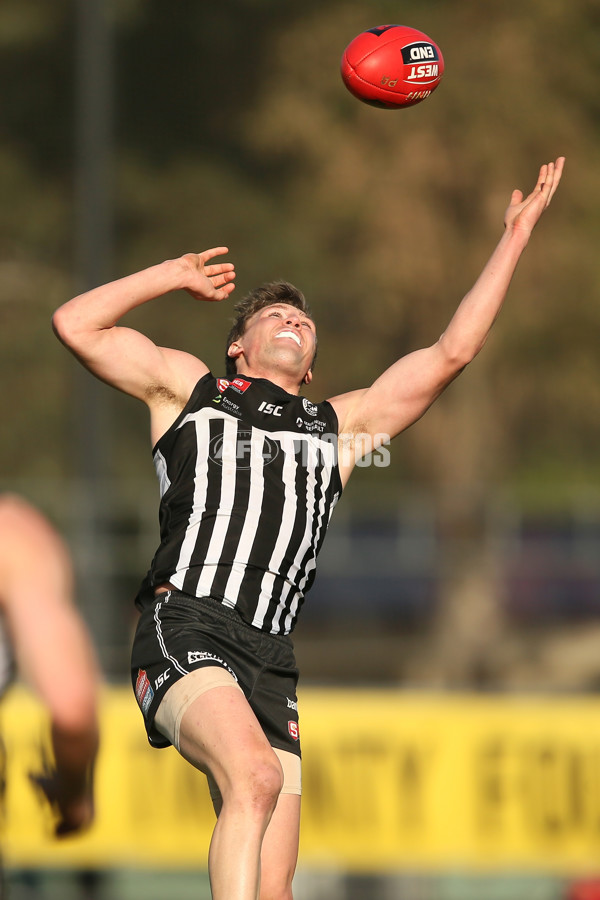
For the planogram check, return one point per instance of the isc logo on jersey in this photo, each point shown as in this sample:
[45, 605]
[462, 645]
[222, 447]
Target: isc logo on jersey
[270, 409]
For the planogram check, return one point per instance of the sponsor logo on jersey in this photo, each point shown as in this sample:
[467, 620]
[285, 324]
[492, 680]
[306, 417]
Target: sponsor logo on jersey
[270, 409]
[294, 730]
[222, 384]
[143, 691]
[292, 704]
[240, 385]
[311, 425]
[309, 407]
[230, 407]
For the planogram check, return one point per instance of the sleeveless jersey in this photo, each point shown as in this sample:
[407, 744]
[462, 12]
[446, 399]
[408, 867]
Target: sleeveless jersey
[248, 480]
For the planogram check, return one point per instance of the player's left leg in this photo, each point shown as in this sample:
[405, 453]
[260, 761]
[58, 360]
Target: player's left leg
[280, 849]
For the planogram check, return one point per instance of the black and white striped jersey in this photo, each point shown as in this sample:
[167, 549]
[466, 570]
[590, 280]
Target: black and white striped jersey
[248, 481]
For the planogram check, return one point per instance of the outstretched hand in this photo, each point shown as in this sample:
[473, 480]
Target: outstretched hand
[524, 213]
[212, 282]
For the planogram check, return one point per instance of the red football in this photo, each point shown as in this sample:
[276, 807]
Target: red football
[392, 66]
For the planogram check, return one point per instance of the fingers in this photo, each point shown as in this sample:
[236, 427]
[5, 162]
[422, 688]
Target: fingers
[523, 213]
[549, 179]
[219, 269]
[200, 261]
[224, 292]
[214, 251]
[543, 176]
[539, 199]
[206, 280]
[220, 274]
[222, 279]
[555, 171]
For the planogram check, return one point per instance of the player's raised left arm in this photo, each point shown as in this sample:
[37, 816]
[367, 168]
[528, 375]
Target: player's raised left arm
[471, 324]
[405, 391]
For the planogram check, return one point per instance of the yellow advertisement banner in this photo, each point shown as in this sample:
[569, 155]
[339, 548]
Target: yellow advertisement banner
[392, 781]
[410, 781]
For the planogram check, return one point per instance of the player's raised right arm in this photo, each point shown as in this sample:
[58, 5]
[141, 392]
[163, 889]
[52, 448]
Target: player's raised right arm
[123, 357]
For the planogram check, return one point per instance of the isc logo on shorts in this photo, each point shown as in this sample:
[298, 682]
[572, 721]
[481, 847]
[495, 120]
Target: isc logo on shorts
[294, 730]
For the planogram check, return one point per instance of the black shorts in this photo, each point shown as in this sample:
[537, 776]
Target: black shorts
[180, 633]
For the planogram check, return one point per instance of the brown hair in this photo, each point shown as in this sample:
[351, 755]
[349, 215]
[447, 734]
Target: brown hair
[262, 296]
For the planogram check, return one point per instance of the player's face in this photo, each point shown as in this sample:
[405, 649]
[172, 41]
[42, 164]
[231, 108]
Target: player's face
[280, 335]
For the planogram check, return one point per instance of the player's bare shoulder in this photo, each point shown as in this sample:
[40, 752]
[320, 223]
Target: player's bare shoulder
[167, 396]
[347, 408]
[173, 386]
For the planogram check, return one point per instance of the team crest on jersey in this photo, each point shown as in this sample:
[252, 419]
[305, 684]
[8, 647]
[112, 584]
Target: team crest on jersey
[309, 407]
[143, 691]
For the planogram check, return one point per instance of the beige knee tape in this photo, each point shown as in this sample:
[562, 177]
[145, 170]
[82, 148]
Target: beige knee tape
[183, 693]
[292, 775]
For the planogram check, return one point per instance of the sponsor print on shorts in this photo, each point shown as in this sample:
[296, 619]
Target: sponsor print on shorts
[196, 656]
[143, 691]
[294, 730]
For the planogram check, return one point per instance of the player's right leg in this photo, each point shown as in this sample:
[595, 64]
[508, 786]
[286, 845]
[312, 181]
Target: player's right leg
[219, 734]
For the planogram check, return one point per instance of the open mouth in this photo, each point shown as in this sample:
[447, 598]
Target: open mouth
[290, 334]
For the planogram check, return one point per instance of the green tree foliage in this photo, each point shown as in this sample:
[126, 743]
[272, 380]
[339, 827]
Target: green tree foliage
[232, 125]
